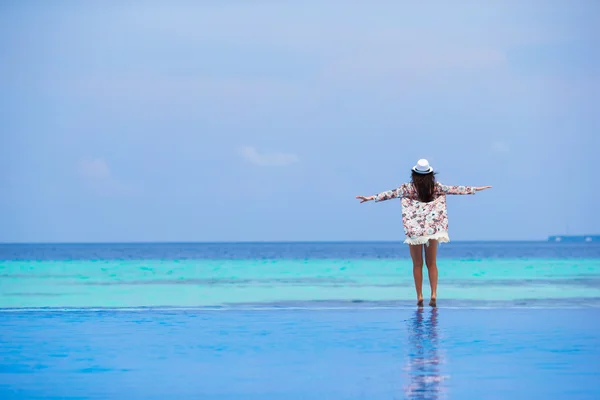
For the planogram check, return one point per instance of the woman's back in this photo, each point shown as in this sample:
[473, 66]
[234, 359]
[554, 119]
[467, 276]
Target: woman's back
[409, 190]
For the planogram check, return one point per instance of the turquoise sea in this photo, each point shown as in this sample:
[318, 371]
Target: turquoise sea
[303, 274]
[298, 320]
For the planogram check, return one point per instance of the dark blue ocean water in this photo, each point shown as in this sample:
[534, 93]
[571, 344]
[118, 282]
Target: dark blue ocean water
[276, 251]
[546, 347]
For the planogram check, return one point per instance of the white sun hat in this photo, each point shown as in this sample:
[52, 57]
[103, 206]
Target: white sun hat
[422, 167]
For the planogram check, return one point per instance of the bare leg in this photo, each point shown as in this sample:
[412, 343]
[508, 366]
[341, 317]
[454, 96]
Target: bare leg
[416, 253]
[431, 261]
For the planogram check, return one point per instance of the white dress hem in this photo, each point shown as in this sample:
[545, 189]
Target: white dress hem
[441, 237]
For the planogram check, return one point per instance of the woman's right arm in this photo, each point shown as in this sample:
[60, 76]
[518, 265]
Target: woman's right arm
[387, 195]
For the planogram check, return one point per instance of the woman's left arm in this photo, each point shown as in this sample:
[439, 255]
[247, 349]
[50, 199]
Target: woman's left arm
[387, 195]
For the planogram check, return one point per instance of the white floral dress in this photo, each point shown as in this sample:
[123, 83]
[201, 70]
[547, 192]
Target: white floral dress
[424, 221]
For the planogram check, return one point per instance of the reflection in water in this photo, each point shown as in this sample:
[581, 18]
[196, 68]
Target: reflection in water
[423, 358]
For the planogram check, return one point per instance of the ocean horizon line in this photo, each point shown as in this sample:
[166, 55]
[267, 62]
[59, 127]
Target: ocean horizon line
[465, 241]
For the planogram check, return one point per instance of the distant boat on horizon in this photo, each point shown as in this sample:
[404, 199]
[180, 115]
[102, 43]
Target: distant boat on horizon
[574, 238]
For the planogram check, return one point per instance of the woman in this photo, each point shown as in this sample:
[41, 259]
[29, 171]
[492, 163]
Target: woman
[425, 220]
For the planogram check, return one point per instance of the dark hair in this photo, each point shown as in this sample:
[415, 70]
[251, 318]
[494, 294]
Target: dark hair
[424, 185]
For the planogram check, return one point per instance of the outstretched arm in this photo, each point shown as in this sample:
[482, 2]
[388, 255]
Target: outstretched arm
[387, 195]
[460, 189]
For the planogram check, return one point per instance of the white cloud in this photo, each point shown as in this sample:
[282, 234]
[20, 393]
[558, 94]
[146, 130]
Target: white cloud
[499, 146]
[253, 156]
[95, 168]
[97, 178]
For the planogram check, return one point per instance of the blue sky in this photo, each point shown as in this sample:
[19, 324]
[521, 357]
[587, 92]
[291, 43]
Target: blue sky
[262, 120]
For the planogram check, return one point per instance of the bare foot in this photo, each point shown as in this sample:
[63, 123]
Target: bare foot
[420, 303]
[433, 302]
